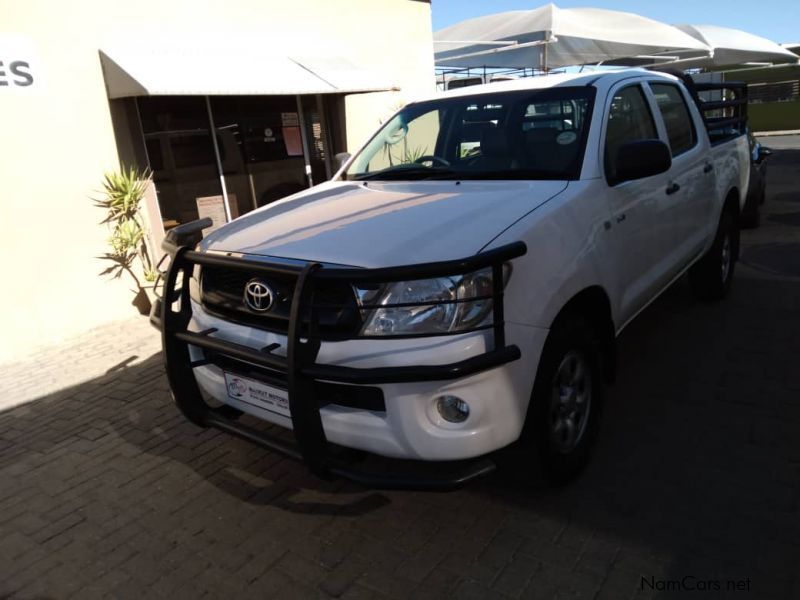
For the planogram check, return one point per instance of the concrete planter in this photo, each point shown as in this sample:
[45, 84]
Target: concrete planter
[143, 301]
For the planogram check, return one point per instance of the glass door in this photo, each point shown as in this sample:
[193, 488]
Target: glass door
[263, 148]
[181, 156]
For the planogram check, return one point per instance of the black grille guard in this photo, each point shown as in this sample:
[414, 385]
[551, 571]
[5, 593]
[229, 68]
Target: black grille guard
[172, 314]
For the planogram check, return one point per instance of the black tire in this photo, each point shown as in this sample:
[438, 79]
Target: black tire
[560, 462]
[709, 279]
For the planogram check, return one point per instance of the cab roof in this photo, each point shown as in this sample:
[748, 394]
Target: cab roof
[595, 78]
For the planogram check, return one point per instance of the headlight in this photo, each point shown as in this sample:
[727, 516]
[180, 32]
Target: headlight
[428, 306]
[194, 285]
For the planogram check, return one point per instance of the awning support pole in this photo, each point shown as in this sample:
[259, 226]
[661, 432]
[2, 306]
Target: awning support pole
[306, 152]
[326, 138]
[219, 162]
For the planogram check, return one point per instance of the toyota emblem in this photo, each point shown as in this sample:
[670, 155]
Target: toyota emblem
[258, 296]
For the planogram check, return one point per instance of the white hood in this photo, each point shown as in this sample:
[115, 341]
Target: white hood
[384, 223]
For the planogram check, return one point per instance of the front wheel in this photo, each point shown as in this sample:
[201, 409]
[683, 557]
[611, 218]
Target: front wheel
[567, 399]
[711, 276]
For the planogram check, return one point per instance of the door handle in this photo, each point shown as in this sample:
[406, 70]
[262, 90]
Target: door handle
[620, 218]
[708, 168]
[672, 188]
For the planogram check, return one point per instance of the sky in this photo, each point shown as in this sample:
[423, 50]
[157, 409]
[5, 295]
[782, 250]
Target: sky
[776, 20]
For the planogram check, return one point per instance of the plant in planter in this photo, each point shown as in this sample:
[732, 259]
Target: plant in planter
[121, 197]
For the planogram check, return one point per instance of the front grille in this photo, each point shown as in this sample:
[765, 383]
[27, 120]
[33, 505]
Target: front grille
[223, 295]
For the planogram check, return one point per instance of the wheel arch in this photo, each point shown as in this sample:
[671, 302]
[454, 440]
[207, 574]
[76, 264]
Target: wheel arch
[733, 206]
[594, 304]
[733, 201]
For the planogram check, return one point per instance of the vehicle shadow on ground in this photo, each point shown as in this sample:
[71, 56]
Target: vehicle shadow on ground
[698, 455]
[696, 466]
[250, 473]
[132, 403]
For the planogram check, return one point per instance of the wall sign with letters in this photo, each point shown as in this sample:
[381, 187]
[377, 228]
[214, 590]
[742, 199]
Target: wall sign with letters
[19, 64]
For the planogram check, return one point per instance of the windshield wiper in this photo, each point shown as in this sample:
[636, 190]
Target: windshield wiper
[418, 173]
[411, 172]
[521, 174]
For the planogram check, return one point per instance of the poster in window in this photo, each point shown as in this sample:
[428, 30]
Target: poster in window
[292, 141]
[290, 119]
[213, 207]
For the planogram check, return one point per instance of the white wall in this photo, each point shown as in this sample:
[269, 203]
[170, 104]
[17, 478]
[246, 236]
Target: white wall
[57, 137]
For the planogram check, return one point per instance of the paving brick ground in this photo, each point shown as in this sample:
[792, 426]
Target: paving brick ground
[94, 353]
[105, 491]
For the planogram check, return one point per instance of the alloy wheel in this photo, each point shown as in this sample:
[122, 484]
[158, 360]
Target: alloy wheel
[570, 402]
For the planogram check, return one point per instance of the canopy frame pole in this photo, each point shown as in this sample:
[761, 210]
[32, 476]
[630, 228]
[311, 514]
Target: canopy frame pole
[676, 62]
[213, 129]
[544, 59]
[475, 42]
[515, 46]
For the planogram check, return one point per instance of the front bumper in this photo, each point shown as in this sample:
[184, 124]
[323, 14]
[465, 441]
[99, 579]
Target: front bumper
[302, 371]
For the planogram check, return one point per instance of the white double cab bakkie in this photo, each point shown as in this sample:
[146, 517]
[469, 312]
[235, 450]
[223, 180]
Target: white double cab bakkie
[458, 286]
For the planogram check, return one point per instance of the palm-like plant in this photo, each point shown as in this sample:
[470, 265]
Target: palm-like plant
[122, 192]
[406, 155]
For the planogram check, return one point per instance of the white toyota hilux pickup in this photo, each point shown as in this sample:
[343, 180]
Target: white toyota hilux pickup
[459, 284]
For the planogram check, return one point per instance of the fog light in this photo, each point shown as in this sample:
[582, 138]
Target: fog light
[452, 409]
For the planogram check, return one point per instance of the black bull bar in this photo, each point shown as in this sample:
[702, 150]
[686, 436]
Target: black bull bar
[172, 314]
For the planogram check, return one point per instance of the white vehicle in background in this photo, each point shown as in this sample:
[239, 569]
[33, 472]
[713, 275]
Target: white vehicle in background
[439, 300]
[455, 81]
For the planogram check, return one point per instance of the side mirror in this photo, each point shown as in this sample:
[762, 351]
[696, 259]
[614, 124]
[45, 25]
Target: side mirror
[341, 159]
[764, 152]
[640, 159]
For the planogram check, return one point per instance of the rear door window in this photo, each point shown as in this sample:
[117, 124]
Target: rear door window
[677, 119]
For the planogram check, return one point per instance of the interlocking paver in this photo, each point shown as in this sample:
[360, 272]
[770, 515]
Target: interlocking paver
[106, 491]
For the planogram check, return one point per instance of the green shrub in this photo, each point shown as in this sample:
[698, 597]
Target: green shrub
[121, 197]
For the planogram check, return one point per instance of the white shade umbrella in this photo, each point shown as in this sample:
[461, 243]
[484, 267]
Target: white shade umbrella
[552, 37]
[734, 47]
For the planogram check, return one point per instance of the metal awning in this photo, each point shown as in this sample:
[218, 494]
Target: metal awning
[140, 70]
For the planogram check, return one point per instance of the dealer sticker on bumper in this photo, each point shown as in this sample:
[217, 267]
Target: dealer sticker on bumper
[258, 394]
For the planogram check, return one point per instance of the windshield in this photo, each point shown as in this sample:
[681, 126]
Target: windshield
[528, 134]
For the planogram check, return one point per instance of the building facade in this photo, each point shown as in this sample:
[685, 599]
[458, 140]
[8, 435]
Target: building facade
[231, 105]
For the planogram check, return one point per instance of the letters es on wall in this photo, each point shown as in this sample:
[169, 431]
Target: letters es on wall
[19, 64]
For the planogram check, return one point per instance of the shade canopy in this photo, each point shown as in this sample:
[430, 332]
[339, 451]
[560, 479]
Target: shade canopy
[204, 70]
[734, 47]
[551, 37]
